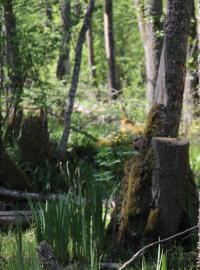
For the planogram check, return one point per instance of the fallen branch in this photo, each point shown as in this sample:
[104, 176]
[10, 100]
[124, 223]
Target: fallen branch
[15, 217]
[24, 196]
[142, 250]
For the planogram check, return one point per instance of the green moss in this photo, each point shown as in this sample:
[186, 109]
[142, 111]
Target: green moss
[152, 221]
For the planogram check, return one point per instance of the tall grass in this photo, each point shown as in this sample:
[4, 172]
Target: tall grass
[74, 226]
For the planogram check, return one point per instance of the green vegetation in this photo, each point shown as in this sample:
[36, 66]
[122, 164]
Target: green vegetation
[105, 136]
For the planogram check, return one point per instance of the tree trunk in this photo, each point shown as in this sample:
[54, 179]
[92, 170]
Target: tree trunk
[139, 220]
[199, 44]
[91, 58]
[15, 71]
[75, 78]
[63, 67]
[170, 185]
[150, 26]
[113, 82]
[191, 97]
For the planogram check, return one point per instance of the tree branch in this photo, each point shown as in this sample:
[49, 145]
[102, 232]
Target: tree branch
[142, 250]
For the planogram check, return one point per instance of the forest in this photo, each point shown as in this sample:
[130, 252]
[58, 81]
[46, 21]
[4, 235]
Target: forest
[99, 134]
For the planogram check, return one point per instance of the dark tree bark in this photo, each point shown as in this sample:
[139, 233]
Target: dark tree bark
[170, 184]
[113, 81]
[63, 67]
[149, 17]
[91, 58]
[139, 219]
[15, 69]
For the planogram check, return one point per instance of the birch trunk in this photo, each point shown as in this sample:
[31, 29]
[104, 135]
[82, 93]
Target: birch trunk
[151, 30]
[91, 58]
[113, 82]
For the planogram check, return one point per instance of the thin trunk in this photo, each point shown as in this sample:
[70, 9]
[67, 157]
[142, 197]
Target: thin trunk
[75, 78]
[91, 58]
[110, 50]
[150, 26]
[199, 43]
[191, 97]
[63, 67]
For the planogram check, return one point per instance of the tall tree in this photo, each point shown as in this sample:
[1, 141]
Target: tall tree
[150, 24]
[75, 78]
[14, 66]
[141, 217]
[191, 97]
[113, 81]
[91, 58]
[63, 67]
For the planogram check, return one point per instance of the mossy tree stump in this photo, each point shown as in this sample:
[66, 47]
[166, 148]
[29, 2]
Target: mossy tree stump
[160, 197]
[34, 140]
[171, 186]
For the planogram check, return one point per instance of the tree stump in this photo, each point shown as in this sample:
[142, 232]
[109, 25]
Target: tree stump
[34, 140]
[159, 197]
[170, 184]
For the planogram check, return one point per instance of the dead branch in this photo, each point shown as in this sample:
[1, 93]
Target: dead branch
[142, 250]
[24, 196]
[15, 217]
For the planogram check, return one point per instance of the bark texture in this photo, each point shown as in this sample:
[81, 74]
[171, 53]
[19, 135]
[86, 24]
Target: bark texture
[170, 184]
[113, 81]
[75, 78]
[91, 58]
[46, 256]
[191, 96]
[15, 69]
[149, 15]
[139, 219]
[172, 69]
[63, 67]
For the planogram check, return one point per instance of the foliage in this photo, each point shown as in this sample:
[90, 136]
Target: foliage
[75, 226]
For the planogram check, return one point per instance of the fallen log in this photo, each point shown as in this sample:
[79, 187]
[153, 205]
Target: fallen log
[24, 196]
[15, 217]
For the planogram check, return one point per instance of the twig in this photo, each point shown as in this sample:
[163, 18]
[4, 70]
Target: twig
[142, 250]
